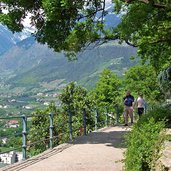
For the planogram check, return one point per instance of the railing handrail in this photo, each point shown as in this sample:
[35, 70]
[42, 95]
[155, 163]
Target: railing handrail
[51, 126]
[28, 116]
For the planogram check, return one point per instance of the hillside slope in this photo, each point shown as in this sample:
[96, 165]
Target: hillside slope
[31, 64]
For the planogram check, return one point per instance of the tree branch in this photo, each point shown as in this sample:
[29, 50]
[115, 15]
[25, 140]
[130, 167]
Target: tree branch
[160, 41]
[131, 44]
[156, 5]
[90, 15]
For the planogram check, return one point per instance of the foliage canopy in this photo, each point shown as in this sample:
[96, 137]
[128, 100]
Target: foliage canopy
[143, 79]
[107, 90]
[72, 25]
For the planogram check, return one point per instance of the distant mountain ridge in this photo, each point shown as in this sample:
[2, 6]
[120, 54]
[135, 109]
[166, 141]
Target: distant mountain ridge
[8, 39]
[32, 64]
[26, 63]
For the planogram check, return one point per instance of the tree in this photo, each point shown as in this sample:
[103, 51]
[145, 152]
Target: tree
[107, 89]
[146, 25]
[75, 99]
[14, 142]
[72, 25]
[62, 24]
[39, 129]
[165, 82]
[143, 79]
[38, 137]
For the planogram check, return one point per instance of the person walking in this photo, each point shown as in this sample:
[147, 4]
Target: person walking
[128, 107]
[140, 103]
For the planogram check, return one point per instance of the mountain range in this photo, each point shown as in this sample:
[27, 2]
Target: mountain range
[25, 63]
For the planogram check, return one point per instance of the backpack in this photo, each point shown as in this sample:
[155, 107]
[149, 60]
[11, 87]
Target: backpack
[128, 101]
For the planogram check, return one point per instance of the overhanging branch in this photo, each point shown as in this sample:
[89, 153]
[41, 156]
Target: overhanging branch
[151, 2]
[161, 41]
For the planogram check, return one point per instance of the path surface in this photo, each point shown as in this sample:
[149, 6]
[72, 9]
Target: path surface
[98, 151]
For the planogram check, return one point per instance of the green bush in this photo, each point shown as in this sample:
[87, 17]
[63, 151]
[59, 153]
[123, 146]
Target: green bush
[145, 140]
[159, 114]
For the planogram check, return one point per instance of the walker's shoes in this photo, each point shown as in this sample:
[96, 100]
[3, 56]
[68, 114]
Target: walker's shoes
[126, 125]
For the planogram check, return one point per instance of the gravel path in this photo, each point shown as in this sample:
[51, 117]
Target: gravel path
[98, 151]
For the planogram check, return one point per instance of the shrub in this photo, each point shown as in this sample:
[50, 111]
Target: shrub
[145, 140]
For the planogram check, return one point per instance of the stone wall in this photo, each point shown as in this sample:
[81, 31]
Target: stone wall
[164, 163]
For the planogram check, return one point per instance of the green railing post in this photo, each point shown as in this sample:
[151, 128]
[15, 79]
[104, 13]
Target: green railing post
[51, 130]
[96, 119]
[117, 113]
[24, 139]
[84, 121]
[70, 124]
[107, 116]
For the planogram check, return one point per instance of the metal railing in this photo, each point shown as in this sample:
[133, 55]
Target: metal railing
[100, 120]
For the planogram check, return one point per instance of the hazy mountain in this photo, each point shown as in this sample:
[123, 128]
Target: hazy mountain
[26, 63]
[31, 64]
[8, 39]
[111, 19]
